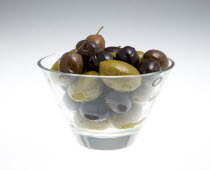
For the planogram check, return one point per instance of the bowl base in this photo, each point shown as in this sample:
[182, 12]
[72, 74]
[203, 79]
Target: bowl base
[105, 143]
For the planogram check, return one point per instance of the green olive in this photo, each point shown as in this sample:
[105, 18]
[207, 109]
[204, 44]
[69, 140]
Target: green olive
[131, 125]
[129, 119]
[116, 68]
[91, 73]
[140, 53]
[113, 53]
[55, 65]
[119, 68]
[86, 88]
[58, 78]
[73, 51]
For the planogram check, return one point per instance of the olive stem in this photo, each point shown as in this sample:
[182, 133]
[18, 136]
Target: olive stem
[99, 30]
[81, 45]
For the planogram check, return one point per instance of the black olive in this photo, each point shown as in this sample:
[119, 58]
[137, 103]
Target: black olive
[129, 55]
[148, 66]
[112, 49]
[94, 61]
[157, 55]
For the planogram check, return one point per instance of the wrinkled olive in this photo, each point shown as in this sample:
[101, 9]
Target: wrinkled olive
[148, 66]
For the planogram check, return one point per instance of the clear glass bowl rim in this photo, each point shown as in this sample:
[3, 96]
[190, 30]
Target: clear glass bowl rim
[39, 63]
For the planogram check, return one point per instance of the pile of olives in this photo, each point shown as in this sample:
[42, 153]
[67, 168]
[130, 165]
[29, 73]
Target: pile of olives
[113, 96]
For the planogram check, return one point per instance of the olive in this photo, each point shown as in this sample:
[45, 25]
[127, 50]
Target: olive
[140, 53]
[116, 68]
[96, 110]
[59, 78]
[82, 122]
[148, 66]
[80, 43]
[73, 51]
[118, 102]
[85, 57]
[85, 88]
[159, 56]
[71, 63]
[95, 60]
[91, 73]
[128, 119]
[112, 49]
[113, 53]
[88, 48]
[98, 39]
[129, 55]
[119, 68]
[55, 65]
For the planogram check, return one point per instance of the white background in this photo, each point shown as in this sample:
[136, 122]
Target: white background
[33, 132]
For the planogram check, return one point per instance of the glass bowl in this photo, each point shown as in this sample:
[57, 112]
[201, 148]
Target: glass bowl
[104, 112]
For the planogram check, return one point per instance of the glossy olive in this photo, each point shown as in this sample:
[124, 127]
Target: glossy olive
[116, 68]
[159, 56]
[80, 43]
[71, 63]
[148, 66]
[88, 48]
[129, 55]
[98, 39]
[119, 68]
[95, 60]
[112, 49]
